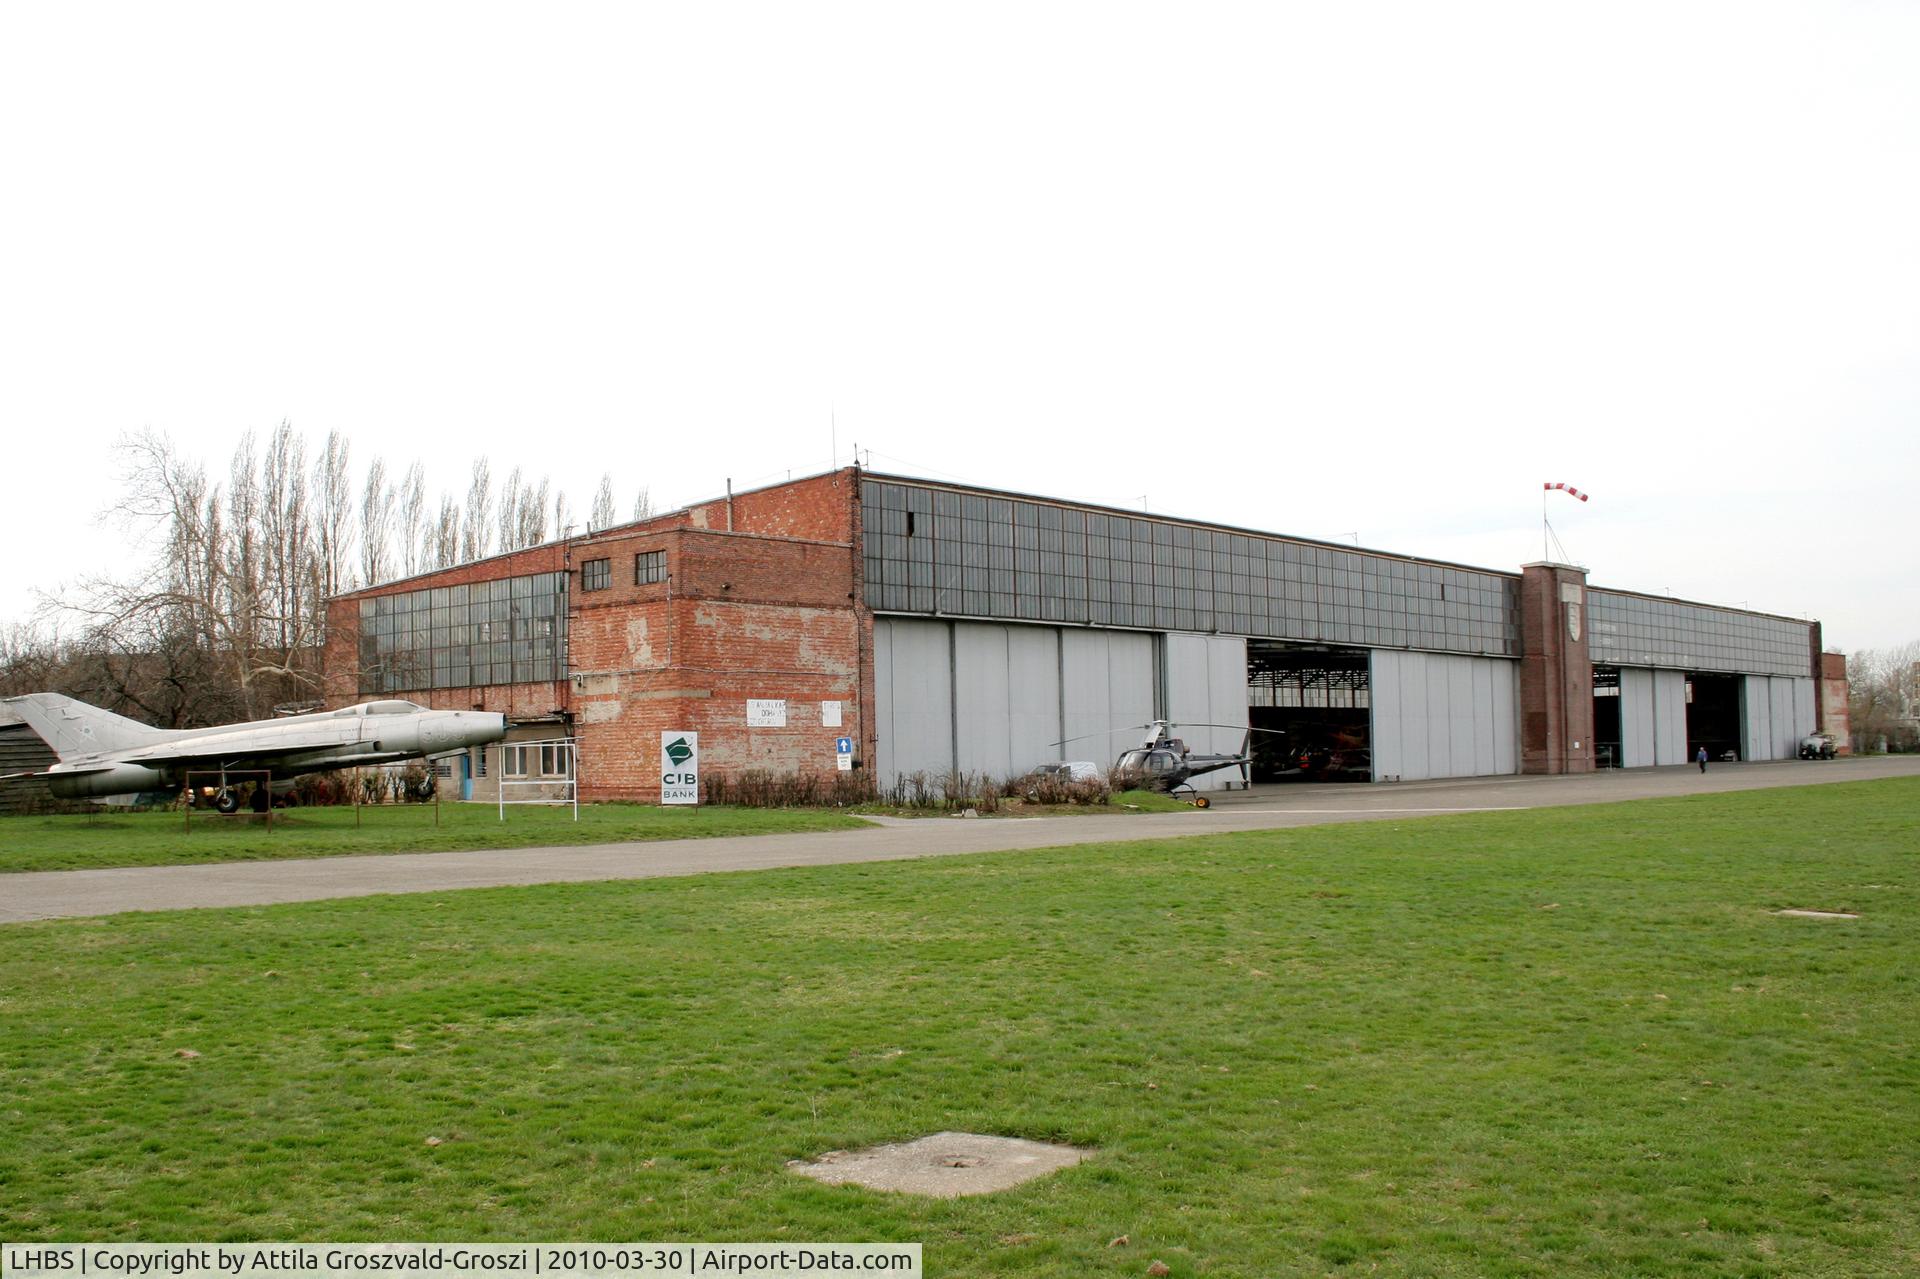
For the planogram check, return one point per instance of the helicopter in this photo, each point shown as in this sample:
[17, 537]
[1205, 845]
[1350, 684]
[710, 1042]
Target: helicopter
[1162, 762]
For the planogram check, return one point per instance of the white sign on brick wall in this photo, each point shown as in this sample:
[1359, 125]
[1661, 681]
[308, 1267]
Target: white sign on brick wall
[829, 714]
[679, 768]
[766, 712]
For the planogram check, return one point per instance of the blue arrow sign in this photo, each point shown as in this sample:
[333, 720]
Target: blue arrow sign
[843, 746]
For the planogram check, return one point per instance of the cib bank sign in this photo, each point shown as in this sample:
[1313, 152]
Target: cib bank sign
[679, 768]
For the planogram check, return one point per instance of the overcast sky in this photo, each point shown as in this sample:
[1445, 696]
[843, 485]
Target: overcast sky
[1348, 271]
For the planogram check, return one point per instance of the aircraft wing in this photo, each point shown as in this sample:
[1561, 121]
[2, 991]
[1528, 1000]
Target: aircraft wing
[75, 771]
[303, 748]
[247, 744]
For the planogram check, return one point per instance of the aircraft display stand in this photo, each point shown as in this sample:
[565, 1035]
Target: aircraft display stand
[223, 779]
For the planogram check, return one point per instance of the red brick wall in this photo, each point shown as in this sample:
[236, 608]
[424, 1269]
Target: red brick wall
[819, 508]
[766, 611]
[1556, 675]
[1835, 717]
[769, 610]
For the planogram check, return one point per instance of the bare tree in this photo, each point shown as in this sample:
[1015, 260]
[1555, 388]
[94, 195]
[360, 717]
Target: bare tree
[201, 632]
[562, 516]
[286, 585]
[237, 577]
[415, 519]
[533, 515]
[376, 524]
[227, 617]
[601, 516]
[444, 540]
[643, 505]
[509, 516]
[1883, 696]
[333, 522]
[476, 533]
[29, 659]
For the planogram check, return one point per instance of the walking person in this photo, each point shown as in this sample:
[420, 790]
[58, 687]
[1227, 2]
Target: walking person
[1700, 757]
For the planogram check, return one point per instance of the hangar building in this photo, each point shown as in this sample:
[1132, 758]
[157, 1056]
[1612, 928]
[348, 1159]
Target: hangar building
[947, 628]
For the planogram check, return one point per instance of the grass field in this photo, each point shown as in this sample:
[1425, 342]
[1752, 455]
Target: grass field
[1569, 1041]
[90, 841]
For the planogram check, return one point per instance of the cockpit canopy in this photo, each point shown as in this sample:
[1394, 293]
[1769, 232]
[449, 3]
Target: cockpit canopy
[1146, 761]
[391, 706]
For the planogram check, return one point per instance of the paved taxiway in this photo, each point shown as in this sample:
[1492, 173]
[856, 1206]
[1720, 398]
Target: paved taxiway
[65, 894]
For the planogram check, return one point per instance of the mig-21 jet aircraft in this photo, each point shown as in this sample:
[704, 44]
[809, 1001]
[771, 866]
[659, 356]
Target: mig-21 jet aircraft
[102, 754]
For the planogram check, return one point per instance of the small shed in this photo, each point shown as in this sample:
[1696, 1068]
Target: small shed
[22, 751]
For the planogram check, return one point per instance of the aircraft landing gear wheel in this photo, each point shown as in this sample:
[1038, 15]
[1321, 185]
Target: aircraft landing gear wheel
[261, 799]
[1201, 801]
[226, 803]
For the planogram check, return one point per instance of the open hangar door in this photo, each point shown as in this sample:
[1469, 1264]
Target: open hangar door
[1608, 748]
[1713, 717]
[1315, 704]
[1664, 717]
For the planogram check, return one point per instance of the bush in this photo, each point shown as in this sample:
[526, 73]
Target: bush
[758, 788]
[1052, 788]
[929, 792]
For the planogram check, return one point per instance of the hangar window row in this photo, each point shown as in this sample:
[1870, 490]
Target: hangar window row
[1636, 630]
[509, 631]
[940, 551]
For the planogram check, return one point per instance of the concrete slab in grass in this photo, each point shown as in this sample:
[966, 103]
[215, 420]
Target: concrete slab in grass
[944, 1166]
[1817, 914]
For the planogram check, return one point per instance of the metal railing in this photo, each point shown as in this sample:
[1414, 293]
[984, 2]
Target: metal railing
[567, 782]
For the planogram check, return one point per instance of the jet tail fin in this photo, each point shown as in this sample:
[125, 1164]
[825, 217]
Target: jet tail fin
[74, 728]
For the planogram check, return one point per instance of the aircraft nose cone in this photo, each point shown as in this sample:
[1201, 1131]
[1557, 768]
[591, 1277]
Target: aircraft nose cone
[477, 728]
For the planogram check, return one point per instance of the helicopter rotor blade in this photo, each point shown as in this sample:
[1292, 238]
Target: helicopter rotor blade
[1242, 727]
[1125, 728]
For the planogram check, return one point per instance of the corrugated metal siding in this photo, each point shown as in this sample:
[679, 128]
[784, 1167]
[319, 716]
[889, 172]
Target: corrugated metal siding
[1636, 717]
[1804, 716]
[1006, 697]
[1440, 715]
[1669, 717]
[21, 751]
[981, 697]
[1653, 717]
[1106, 691]
[1786, 733]
[1756, 717]
[1207, 685]
[913, 695]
